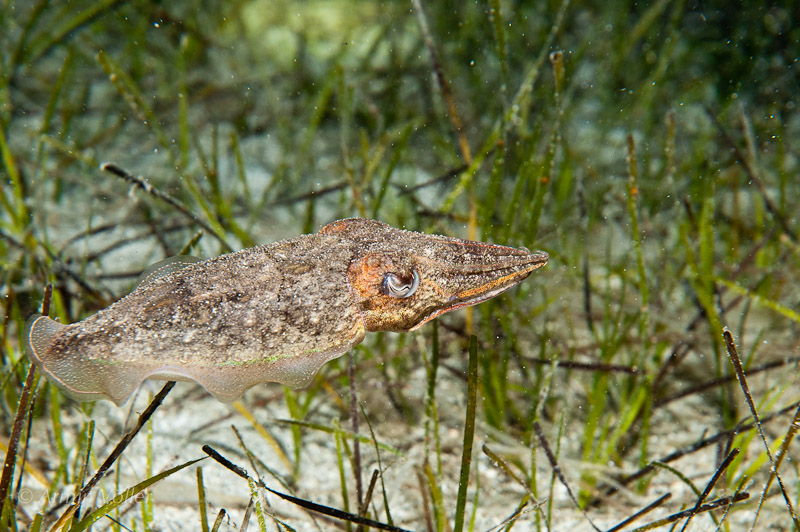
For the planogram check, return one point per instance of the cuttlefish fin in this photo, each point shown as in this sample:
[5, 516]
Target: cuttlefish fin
[76, 378]
[229, 383]
[163, 268]
[40, 332]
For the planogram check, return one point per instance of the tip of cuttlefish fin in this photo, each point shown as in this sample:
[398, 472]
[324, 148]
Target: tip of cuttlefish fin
[40, 333]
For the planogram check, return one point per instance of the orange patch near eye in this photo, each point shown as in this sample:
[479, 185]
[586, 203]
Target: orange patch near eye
[367, 273]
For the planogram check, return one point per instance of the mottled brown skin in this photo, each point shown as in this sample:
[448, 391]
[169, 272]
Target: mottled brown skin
[272, 313]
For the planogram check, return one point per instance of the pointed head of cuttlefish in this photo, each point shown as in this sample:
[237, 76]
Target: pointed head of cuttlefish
[401, 279]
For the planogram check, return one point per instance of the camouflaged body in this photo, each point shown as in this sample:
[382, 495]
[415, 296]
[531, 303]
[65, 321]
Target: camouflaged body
[270, 313]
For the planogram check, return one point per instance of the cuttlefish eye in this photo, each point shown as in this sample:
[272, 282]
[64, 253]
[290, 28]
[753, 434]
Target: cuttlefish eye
[395, 285]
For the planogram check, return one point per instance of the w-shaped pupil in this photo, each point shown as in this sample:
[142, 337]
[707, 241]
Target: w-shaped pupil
[400, 286]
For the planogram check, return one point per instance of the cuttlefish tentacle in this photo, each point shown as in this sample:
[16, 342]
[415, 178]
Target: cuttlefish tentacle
[273, 313]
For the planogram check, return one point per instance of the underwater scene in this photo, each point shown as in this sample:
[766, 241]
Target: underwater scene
[400, 265]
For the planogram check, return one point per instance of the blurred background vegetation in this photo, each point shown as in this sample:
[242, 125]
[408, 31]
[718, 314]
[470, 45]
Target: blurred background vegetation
[649, 147]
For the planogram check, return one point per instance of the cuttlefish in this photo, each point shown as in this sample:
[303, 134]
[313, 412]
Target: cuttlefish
[273, 313]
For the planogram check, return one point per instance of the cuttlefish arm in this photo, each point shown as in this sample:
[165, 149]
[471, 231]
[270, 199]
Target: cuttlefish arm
[273, 313]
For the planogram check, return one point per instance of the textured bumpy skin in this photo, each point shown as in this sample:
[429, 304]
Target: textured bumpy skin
[272, 313]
